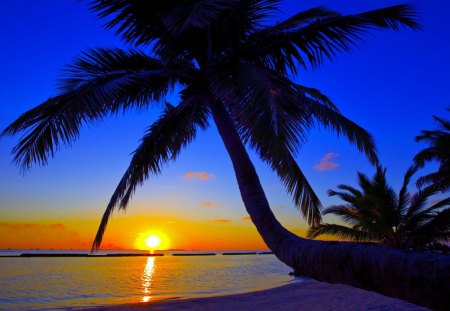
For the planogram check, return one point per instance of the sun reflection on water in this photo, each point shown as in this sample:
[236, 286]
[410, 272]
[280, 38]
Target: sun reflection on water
[146, 277]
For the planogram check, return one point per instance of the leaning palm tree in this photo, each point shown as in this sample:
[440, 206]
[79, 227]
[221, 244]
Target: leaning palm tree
[438, 150]
[375, 213]
[235, 70]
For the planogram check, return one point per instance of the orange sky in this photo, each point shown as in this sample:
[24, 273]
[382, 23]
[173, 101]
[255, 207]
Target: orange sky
[124, 232]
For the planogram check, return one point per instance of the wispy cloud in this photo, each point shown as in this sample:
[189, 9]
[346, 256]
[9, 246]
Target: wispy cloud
[31, 226]
[280, 206]
[221, 221]
[57, 227]
[326, 163]
[198, 175]
[246, 218]
[112, 246]
[210, 204]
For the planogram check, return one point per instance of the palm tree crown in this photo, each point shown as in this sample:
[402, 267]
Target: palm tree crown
[224, 56]
[438, 150]
[377, 214]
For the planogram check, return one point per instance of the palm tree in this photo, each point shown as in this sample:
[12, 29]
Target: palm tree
[235, 68]
[377, 214]
[438, 150]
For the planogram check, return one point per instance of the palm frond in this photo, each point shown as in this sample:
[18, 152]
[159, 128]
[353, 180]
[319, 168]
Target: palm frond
[421, 216]
[163, 141]
[345, 196]
[437, 229]
[355, 192]
[318, 33]
[365, 182]
[349, 214]
[130, 67]
[264, 104]
[437, 181]
[142, 22]
[295, 182]
[425, 155]
[342, 232]
[99, 83]
[438, 150]
[333, 120]
[403, 195]
[196, 29]
[418, 203]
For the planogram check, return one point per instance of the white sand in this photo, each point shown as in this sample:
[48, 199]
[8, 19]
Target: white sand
[309, 295]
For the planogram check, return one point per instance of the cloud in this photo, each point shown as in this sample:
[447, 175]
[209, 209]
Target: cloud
[326, 163]
[198, 175]
[280, 206]
[111, 246]
[31, 226]
[210, 204]
[57, 227]
[221, 221]
[246, 218]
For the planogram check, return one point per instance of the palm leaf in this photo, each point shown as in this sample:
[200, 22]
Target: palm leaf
[437, 229]
[347, 197]
[420, 216]
[334, 121]
[320, 33]
[404, 196]
[439, 149]
[295, 182]
[418, 204]
[347, 213]
[99, 83]
[355, 192]
[162, 142]
[342, 232]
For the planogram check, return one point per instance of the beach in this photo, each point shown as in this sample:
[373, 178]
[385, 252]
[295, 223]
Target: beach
[308, 295]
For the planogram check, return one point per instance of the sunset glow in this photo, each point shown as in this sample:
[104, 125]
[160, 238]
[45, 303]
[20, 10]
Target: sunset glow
[151, 240]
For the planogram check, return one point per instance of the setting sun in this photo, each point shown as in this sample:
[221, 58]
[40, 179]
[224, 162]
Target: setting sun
[153, 241]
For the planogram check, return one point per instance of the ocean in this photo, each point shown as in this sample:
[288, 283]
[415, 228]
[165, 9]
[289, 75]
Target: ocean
[61, 283]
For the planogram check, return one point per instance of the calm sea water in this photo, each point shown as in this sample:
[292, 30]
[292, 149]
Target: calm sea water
[42, 283]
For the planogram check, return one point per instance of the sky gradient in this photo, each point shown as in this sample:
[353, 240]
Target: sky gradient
[391, 85]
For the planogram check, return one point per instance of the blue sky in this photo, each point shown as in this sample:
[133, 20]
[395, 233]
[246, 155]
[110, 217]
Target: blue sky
[391, 85]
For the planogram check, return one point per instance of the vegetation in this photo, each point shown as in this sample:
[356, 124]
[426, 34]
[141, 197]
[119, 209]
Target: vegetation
[438, 150]
[375, 213]
[235, 70]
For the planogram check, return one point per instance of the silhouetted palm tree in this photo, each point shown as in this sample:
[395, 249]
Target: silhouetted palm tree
[231, 66]
[438, 150]
[376, 213]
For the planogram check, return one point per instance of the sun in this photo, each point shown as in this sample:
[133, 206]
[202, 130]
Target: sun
[153, 241]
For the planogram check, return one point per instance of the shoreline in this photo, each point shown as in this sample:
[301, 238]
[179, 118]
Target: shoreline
[310, 295]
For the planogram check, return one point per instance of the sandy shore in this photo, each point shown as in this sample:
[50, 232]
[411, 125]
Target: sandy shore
[308, 295]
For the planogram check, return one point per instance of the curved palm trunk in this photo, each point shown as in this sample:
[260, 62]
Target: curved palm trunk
[421, 278]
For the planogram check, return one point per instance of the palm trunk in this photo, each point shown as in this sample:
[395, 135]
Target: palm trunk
[421, 278]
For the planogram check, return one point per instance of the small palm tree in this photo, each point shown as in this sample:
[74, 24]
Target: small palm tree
[375, 213]
[438, 150]
[235, 71]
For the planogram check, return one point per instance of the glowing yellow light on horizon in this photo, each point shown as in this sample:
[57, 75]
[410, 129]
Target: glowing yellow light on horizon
[153, 241]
